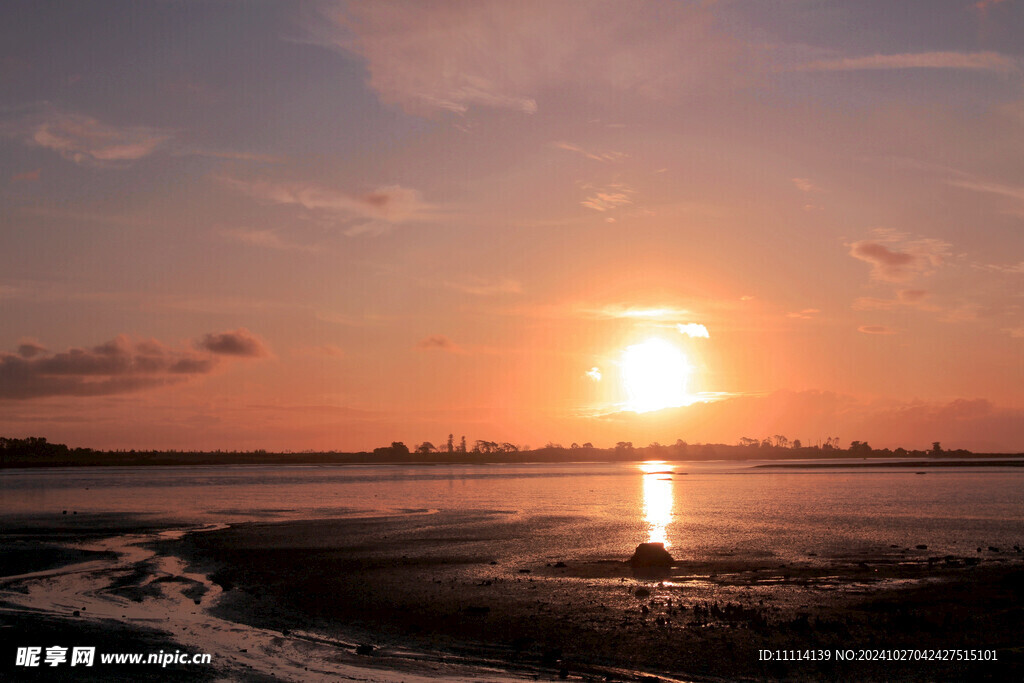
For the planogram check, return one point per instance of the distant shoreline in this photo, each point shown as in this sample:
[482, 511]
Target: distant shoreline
[899, 463]
[42, 454]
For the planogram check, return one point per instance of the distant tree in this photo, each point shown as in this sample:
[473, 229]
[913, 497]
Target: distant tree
[574, 445]
[860, 448]
[781, 441]
[624, 446]
[588, 445]
[425, 447]
[766, 443]
[396, 449]
[747, 441]
[462, 445]
[797, 444]
[900, 452]
[936, 448]
[451, 443]
[551, 444]
[509, 447]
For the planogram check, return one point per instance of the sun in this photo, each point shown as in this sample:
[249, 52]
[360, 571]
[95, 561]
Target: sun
[655, 375]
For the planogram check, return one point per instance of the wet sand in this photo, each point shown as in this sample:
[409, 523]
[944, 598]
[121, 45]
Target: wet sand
[433, 595]
[109, 582]
[390, 585]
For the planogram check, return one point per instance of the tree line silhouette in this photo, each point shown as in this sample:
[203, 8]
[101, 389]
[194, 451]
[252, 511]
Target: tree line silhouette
[38, 452]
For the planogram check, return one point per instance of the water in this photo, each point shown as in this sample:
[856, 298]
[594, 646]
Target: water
[581, 509]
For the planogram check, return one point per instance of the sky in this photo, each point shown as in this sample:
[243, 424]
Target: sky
[329, 225]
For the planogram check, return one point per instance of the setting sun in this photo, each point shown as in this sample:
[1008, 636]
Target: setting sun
[655, 374]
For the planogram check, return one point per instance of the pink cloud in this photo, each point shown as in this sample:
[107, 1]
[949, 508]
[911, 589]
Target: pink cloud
[86, 141]
[27, 176]
[875, 329]
[975, 61]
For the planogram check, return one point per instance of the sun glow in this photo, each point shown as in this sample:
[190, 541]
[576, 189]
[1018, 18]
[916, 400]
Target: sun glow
[655, 374]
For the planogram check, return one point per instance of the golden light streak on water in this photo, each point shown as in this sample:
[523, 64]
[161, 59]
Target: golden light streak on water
[657, 501]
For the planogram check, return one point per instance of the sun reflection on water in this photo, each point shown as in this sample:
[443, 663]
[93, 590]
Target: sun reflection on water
[657, 500]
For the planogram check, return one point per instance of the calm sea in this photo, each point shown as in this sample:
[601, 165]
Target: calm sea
[575, 510]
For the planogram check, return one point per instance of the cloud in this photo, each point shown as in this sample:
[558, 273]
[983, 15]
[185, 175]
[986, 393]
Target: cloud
[903, 263]
[457, 56]
[267, 239]
[240, 342]
[29, 348]
[332, 350]
[875, 329]
[27, 176]
[805, 314]
[88, 142]
[481, 287]
[983, 5]
[976, 61]
[593, 156]
[120, 365]
[608, 198]
[613, 311]
[694, 330]
[359, 213]
[438, 342]
[1013, 192]
[594, 373]
[904, 297]
[804, 185]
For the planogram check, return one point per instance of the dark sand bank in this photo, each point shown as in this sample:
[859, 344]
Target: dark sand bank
[391, 585]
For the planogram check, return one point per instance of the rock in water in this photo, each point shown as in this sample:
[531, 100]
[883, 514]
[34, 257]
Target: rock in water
[651, 555]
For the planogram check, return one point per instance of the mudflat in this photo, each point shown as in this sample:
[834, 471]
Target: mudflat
[462, 585]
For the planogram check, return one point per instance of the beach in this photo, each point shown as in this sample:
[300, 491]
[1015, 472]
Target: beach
[494, 573]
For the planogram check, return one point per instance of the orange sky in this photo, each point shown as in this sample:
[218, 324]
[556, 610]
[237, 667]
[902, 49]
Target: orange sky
[329, 226]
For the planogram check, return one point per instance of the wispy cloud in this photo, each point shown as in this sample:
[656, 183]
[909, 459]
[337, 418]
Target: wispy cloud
[805, 314]
[267, 239]
[89, 142]
[612, 311]
[482, 287]
[805, 185]
[438, 342]
[905, 297]
[455, 56]
[975, 61]
[896, 259]
[608, 198]
[357, 213]
[875, 329]
[27, 176]
[1013, 192]
[983, 5]
[593, 156]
